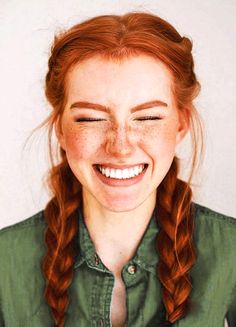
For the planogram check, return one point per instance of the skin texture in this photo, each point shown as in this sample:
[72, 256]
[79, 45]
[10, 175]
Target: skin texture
[120, 138]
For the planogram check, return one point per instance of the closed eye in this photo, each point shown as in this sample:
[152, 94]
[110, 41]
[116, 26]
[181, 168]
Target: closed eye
[149, 118]
[88, 119]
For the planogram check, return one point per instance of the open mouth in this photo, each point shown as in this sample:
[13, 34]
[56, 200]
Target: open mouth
[127, 173]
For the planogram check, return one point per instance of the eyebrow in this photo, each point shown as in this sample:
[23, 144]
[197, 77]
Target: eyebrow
[96, 106]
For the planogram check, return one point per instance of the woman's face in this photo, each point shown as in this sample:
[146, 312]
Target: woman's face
[120, 128]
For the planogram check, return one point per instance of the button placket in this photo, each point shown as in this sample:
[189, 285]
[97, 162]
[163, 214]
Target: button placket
[96, 259]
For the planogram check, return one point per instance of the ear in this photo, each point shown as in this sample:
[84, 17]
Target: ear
[59, 134]
[184, 124]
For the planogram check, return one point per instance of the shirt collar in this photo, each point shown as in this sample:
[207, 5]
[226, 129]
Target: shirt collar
[146, 255]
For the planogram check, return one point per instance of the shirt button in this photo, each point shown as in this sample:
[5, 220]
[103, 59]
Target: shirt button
[132, 269]
[101, 323]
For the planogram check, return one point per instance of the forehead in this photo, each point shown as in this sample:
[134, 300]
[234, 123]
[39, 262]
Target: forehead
[137, 78]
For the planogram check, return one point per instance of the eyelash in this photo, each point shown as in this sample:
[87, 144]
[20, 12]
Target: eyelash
[79, 120]
[149, 118]
[88, 119]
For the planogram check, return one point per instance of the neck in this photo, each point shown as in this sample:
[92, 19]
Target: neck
[117, 234]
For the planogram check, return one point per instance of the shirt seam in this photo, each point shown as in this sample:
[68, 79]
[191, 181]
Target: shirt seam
[23, 224]
[213, 215]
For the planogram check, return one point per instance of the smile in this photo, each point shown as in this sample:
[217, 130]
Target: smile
[121, 173]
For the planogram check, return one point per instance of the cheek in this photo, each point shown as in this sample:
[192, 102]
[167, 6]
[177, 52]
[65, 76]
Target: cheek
[82, 144]
[160, 140]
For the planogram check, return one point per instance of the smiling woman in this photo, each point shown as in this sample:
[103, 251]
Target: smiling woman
[132, 130]
[121, 242]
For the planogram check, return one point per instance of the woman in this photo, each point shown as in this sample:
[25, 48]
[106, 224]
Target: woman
[121, 242]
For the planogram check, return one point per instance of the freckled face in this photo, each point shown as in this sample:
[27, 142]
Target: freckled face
[129, 119]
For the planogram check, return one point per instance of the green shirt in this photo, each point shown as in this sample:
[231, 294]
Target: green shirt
[214, 277]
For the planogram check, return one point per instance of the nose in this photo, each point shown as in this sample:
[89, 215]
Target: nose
[120, 141]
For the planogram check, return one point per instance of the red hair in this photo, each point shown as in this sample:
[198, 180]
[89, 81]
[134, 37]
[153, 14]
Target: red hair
[116, 38]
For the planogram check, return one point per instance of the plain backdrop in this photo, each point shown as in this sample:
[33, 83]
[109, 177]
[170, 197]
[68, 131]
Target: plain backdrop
[27, 28]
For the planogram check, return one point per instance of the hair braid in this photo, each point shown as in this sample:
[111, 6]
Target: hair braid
[62, 227]
[174, 243]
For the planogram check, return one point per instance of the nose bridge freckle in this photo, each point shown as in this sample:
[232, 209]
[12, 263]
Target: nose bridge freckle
[122, 135]
[118, 140]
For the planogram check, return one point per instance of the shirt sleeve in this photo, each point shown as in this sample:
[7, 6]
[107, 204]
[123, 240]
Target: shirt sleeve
[231, 314]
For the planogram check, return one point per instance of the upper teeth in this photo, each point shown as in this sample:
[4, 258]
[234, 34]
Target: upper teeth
[121, 173]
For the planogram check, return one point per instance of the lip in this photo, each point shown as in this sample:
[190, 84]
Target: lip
[120, 182]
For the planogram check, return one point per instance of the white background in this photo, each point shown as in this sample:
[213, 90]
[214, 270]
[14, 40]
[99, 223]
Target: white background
[27, 28]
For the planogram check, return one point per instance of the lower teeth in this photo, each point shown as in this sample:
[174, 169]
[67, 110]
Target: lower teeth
[121, 178]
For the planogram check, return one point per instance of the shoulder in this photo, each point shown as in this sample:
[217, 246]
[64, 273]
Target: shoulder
[23, 237]
[217, 224]
[204, 215]
[213, 226]
[22, 249]
[215, 268]
[29, 222]
[215, 233]
[24, 226]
